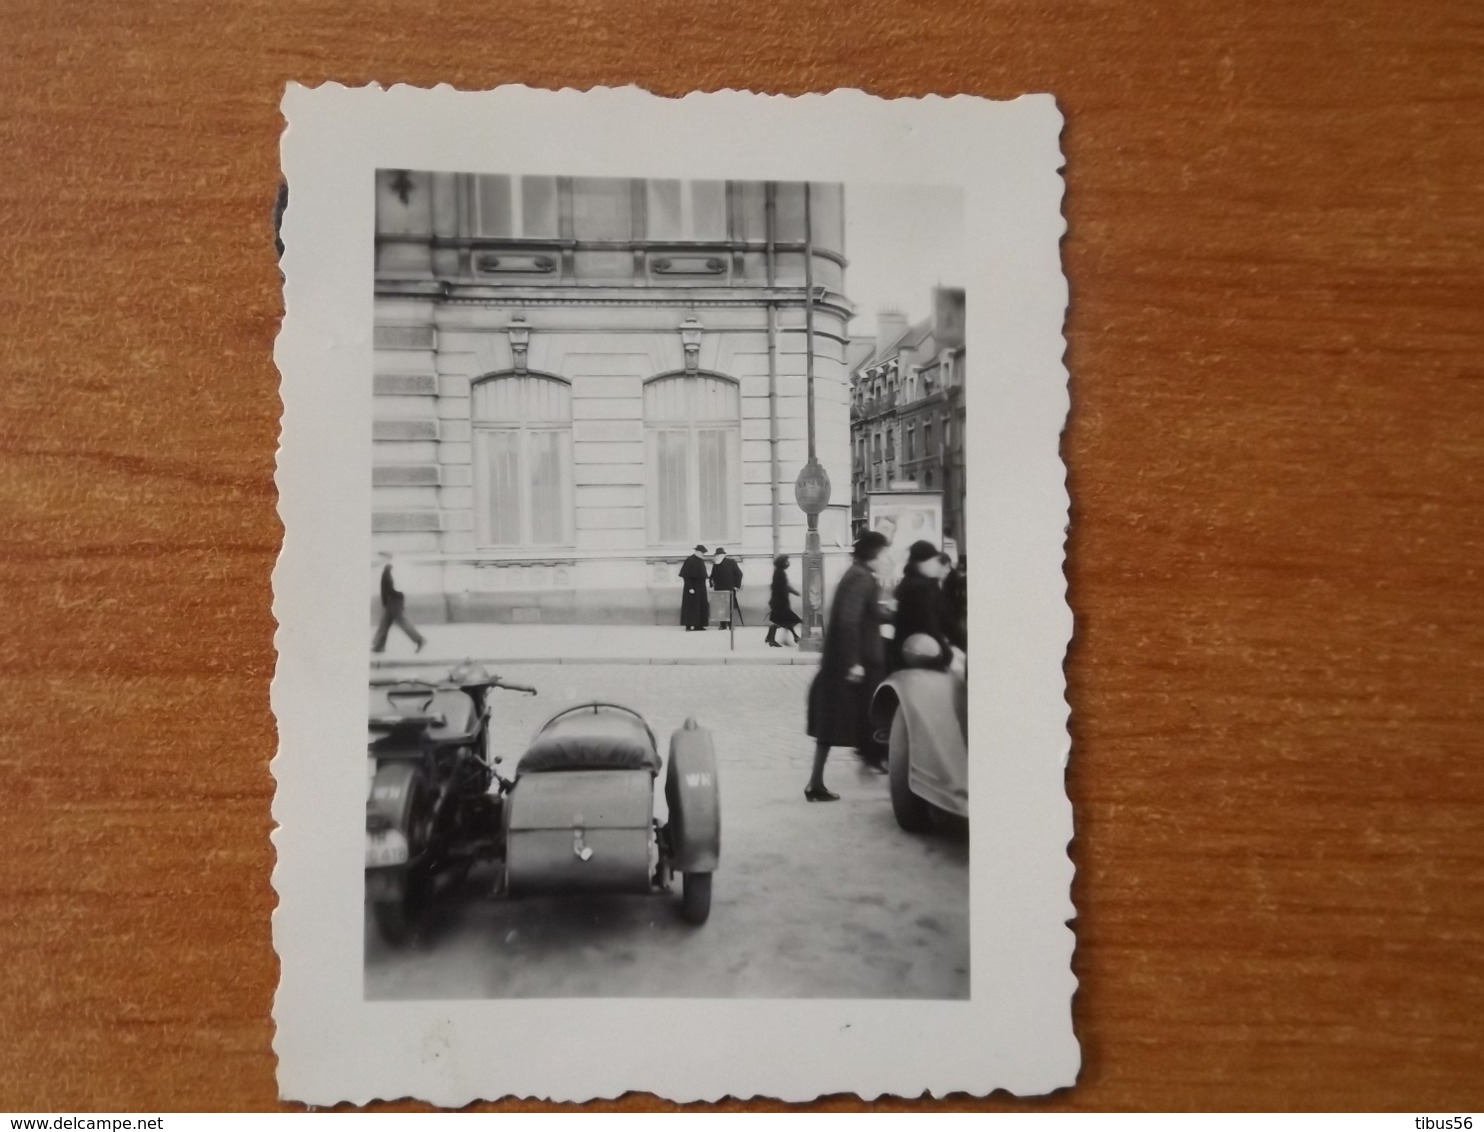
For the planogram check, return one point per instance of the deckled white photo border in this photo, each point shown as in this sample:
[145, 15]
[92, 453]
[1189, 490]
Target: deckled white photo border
[1015, 1032]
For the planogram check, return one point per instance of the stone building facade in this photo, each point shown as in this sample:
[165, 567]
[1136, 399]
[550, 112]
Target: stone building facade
[577, 380]
[907, 409]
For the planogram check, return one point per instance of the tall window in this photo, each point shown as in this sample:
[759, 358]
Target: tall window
[523, 461]
[687, 210]
[693, 442]
[516, 207]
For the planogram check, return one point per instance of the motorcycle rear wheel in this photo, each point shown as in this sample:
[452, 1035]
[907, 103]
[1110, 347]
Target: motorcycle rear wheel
[398, 918]
[695, 897]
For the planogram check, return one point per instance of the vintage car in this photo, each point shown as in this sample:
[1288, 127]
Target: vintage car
[577, 815]
[921, 713]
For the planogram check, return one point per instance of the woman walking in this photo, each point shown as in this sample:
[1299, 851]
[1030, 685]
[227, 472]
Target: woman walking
[780, 612]
[851, 665]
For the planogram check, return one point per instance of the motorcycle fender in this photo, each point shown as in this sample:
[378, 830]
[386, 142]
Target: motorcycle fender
[391, 792]
[387, 850]
[694, 800]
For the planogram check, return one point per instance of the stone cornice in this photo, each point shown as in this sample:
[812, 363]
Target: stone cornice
[475, 294]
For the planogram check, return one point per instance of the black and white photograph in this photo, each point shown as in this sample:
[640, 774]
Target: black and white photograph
[634, 453]
[667, 531]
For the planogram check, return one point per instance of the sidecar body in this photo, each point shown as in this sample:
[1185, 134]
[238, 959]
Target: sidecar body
[580, 813]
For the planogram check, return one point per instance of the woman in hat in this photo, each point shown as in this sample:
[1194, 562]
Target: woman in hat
[920, 604]
[781, 614]
[851, 665]
[695, 606]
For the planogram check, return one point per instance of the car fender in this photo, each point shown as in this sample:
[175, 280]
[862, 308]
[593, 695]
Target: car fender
[693, 797]
[934, 706]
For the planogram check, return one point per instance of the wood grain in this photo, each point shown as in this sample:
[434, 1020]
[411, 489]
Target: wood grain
[1276, 462]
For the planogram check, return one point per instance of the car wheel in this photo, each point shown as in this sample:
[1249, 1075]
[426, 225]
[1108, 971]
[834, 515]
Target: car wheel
[695, 897]
[912, 813]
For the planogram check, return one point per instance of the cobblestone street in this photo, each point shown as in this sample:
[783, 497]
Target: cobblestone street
[829, 900]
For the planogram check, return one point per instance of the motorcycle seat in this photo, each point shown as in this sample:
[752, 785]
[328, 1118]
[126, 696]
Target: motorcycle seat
[596, 738]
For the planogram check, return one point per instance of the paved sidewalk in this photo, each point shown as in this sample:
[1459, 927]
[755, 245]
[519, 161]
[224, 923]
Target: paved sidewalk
[584, 644]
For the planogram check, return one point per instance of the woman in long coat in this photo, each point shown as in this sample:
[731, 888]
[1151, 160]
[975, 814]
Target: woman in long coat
[695, 606]
[781, 613]
[851, 666]
[921, 607]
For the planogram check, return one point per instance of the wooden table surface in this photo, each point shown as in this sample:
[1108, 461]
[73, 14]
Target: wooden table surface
[1276, 456]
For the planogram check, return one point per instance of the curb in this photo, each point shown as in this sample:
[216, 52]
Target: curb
[434, 662]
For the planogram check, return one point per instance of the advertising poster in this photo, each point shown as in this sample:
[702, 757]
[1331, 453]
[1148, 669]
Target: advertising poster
[904, 517]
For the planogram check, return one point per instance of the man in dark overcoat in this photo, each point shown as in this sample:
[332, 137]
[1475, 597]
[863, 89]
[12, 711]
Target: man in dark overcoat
[393, 610]
[695, 607]
[726, 579]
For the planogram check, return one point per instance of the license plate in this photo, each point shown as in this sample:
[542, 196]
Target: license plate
[386, 847]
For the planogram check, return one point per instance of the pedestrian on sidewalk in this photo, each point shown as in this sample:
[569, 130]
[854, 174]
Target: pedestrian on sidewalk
[695, 608]
[726, 579]
[781, 614]
[851, 665]
[393, 610]
[921, 607]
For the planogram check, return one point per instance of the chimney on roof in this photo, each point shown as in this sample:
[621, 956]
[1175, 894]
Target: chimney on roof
[891, 324]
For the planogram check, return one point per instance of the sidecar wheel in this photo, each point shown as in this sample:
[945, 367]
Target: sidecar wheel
[695, 897]
[912, 813]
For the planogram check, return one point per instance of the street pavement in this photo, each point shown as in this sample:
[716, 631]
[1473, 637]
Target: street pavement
[585, 644]
[810, 900]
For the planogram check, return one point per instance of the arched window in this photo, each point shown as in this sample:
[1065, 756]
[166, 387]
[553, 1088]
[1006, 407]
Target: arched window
[523, 461]
[693, 443]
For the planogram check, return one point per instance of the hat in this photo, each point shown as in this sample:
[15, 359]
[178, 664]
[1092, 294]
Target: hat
[869, 545]
[719, 550]
[700, 549]
[921, 551]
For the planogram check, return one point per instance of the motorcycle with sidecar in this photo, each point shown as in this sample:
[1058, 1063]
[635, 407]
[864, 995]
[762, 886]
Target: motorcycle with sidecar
[577, 815]
[921, 713]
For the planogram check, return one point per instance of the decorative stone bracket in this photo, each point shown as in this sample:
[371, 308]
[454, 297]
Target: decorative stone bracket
[520, 342]
[690, 339]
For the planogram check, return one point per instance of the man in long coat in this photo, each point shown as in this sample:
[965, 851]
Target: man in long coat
[695, 607]
[393, 610]
[726, 578]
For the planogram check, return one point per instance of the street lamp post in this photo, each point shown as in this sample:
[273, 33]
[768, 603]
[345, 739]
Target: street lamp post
[812, 488]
